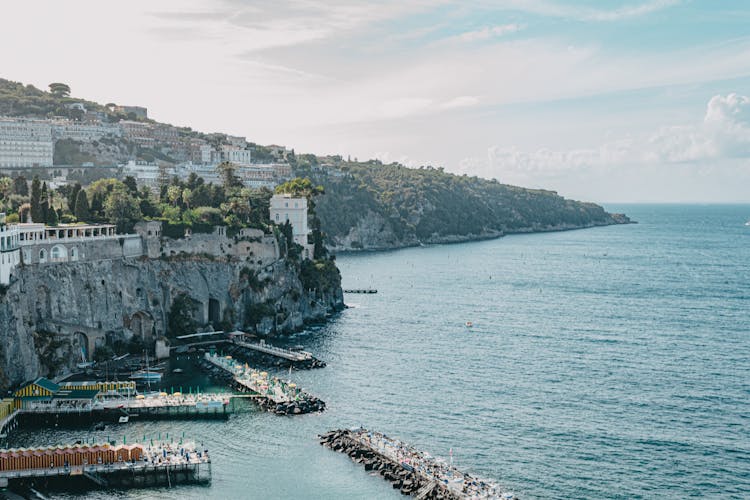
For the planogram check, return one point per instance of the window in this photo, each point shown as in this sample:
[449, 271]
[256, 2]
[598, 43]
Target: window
[277, 217]
[73, 253]
[42, 255]
[286, 204]
[58, 253]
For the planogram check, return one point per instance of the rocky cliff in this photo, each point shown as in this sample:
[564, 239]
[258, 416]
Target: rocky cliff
[372, 206]
[50, 311]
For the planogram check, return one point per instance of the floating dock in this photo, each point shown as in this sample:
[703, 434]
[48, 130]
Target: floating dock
[360, 290]
[411, 471]
[298, 359]
[106, 465]
[276, 395]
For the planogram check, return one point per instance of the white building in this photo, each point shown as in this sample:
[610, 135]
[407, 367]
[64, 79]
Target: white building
[9, 249]
[25, 143]
[236, 155]
[84, 132]
[285, 207]
[148, 174]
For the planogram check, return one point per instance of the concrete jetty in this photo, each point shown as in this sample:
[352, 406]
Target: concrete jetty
[411, 471]
[299, 359]
[277, 396]
[106, 465]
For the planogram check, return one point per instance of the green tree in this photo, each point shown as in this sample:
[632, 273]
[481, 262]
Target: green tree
[20, 186]
[44, 203]
[229, 179]
[59, 89]
[180, 319]
[24, 211]
[73, 197]
[35, 201]
[131, 184]
[81, 207]
[52, 217]
[174, 194]
[6, 187]
[122, 210]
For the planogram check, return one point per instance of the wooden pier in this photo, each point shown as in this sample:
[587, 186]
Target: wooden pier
[275, 351]
[106, 465]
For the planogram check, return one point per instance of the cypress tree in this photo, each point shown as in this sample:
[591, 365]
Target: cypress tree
[36, 196]
[73, 197]
[44, 203]
[81, 210]
[52, 216]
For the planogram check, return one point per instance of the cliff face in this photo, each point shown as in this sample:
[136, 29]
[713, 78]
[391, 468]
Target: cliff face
[49, 311]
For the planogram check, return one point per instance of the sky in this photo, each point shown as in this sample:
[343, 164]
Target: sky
[606, 101]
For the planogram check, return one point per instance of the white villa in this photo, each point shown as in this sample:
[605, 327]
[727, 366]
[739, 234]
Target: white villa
[285, 207]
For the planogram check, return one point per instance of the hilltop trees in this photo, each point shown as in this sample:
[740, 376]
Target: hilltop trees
[59, 89]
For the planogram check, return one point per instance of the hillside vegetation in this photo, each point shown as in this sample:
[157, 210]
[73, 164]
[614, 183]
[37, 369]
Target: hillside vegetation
[372, 205]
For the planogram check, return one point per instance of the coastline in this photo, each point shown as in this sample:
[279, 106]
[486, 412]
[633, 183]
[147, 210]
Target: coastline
[469, 238]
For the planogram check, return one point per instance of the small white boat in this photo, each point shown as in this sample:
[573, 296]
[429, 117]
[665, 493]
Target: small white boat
[747, 223]
[146, 376]
[469, 324]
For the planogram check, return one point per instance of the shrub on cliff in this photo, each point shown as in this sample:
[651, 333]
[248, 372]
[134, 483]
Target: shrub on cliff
[180, 320]
[319, 275]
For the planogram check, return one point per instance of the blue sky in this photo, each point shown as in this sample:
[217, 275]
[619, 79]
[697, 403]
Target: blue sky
[633, 100]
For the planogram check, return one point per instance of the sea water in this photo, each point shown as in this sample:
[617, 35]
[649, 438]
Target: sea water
[610, 362]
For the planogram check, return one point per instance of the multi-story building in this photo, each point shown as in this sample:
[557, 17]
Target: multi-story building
[9, 249]
[285, 207]
[25, 143]
[237, 142]
[236, 155]
[196, 153]
[138, 132]
[84, 132]
[137, 111]
[147, 174]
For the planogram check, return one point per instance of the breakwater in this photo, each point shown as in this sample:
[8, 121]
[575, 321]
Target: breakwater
[411, 471]
[278, 396]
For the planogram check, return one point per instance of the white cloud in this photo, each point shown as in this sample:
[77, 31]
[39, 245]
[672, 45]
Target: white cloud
[724, 134]
[463, 101]
[488, 32]
[630, 11]
[568, 11]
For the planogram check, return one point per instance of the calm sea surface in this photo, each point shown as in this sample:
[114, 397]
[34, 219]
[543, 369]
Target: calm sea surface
[603, 363]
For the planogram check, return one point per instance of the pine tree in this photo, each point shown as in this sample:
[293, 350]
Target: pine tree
[81, 210]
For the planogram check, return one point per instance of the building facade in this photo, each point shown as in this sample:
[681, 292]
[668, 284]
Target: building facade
[285, 207]
[10, 255]
[84, 132]
[25, 143]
